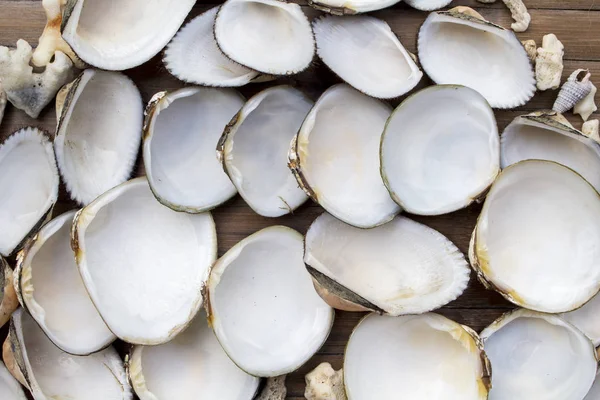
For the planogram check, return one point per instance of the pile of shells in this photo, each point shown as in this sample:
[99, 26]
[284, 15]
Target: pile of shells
[137, 260]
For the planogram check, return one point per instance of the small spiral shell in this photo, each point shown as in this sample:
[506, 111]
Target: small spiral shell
[573, 91]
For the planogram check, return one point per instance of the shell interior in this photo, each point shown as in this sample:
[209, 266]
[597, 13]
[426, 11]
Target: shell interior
[458, 49]
[414, 357]
[365, 52]
[586, 319]
[182, 132]
[192, 366]
[10, 389]
[402, 267]
[440, 150]
[270, 36]
[256, 146]
[53, 374]
[193, 56]
[53, 292]
[29, 186]
[349, 7]
[262, 304]
[99, 133]
[336, 157]
[143, 264]
[538, 356]
[124, 35]
[531, 137]
[533, 206]
[428, 5]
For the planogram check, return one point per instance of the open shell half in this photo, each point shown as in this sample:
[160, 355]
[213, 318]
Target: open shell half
[193, 56]
[428, 5]
[262, 304]
[99, 132]
[423, 356]
[536, 239]
[10, 388]
[585, 318]
[459, 48]
[402, 267]
[254, 149]
[538, 356]
[440, 150]
[121, 35]
[335, 157]
[350, 7]
[143, 264]
[181, 133]
[49, 373]
[28, 186]
[365, 52]
[51, 289]
[270, 36]
[540, 136]
[156, 371]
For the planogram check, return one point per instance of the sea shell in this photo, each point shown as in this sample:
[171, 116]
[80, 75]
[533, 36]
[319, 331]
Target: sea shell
[587, 106]
[573, 91]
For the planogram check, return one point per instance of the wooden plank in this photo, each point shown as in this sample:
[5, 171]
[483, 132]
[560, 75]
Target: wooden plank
[25, 19]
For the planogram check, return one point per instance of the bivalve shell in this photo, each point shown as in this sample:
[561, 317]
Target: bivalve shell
[10, 389]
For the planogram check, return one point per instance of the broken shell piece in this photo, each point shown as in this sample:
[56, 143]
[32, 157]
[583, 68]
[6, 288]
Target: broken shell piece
[118, 38]
[155, 371]
[258, 293]
[538, 136]
[29, 181]
[98, 134]
[586, 319]
[274, 389]
[458, 48]
[532, 206]
[181, 133]
[51, 39]
[28, 90]
[10, 388]
[402, 267]
[538, 356]
[53, 293]
[591, 129]
[531, 49]
[50, 373]
[423, 356]
[350, 7]
[8, 297]
[335, 157]
[144, 275]
[270, 36]
[587, 106]
[254, 149]
[428, 5]
[365, 52]
[575, 89]
[193, 56]
[325, 383]
[549, 63]
[440, 150]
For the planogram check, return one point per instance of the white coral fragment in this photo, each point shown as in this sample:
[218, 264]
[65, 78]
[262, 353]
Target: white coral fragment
[549, 63]
[28, 90]
[591, 128]
[51, 40]
[274, 389]
[518, 11]
[587, 106]
[325, 383]
[531, 49]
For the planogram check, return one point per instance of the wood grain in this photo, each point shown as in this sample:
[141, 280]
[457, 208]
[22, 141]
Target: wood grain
[577, 24]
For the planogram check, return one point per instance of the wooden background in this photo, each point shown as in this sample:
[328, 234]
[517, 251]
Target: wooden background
[575, 22]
